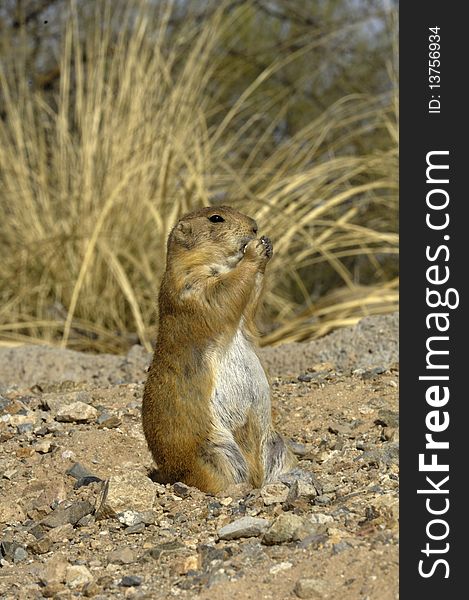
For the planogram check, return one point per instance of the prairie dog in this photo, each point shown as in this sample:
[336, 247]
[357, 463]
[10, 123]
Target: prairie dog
[206, 405]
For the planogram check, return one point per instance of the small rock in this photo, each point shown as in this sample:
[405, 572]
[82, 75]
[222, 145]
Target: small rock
[244, 527]
[13, 552]
[313, 541]
[373, 373]
[68, 454]
[138, 528]
[310, 588]
[298, 474]
[344, 429]
[120, 493]
[323, 499]
[130, 517]
[72, 514]
[86, 481]
[166, 548]
[387, 455]
[301, 489]
[77, 576]
[78, 471]
[53, 589]
[41, 545]
[11, 513]
[321, 518]
[44, 446]
[77, 412]
[390, 434]
[181, 489]
[53, 571]
[317, 376]
[86, 521]
[9, 474]
[278, 568]
[283, 529]
[131, 581]
[24, 428]
[274, 493]
[186, 564]
[208, 554]
[122, 556]
[148, 517]
[340, 547]
[108, 420]
[90, 589]
[387, 418]
[61, 533]
[25, 452]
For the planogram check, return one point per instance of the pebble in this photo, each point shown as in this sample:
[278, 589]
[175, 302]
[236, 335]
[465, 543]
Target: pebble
[323, 499]
[278, 568]
[53, 571]
[244, 527]
[321, 518]
[208, 554]
[77, 412]
[77, 576]
[131, 581]
[122, 556]
[310, 588]
[283, 529]
[301, 489]
[108, 420]
[298, 474]
[24, 428]
[165, 548]
[13, 552]
[84, 481]
[53, 590]
[132, 491]
[138, 528]
[274, 493]
[44, 446]
[90, 589]
[78, 471]
[62, 533]
[41, 545]
[387, 455]
[130, 518]
[9, 474]
[72, 514]
[387, 418]
[181, 489]
[68, 454]
[340, 547]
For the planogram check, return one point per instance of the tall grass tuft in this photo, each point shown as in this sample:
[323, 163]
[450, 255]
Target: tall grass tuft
[92, 182]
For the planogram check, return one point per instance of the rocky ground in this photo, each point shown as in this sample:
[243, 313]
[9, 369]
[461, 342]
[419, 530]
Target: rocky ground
[81, 517]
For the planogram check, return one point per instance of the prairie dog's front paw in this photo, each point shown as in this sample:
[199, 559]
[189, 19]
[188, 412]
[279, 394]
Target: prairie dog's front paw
[268, 247]
[260, 249]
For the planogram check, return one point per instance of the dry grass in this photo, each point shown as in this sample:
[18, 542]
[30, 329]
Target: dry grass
[91, 186]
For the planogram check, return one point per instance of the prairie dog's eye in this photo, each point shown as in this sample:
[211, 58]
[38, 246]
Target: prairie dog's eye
[216, 219]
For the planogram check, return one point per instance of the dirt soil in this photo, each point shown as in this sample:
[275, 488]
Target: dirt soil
[80, 517]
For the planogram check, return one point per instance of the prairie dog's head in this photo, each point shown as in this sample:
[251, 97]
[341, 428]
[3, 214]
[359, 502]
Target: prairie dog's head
[218, 232]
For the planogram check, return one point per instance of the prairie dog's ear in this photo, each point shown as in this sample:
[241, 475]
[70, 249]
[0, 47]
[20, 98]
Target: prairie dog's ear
[181, 234]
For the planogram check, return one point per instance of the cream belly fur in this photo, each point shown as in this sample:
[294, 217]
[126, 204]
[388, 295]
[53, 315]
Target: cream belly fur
[241, 386]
